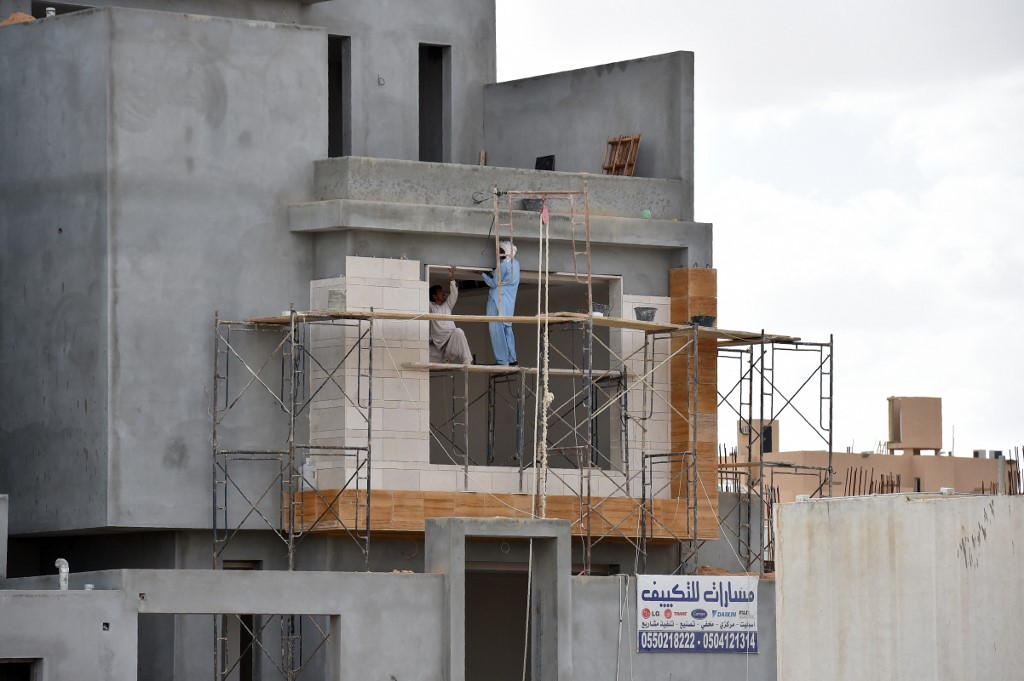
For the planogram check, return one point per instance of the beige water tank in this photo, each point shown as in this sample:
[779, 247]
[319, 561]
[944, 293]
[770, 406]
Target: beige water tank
[915, 423]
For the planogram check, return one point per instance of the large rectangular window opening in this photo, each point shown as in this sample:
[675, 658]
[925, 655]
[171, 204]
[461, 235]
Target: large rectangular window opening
[500, 420]
[435, 103]
[339, 96]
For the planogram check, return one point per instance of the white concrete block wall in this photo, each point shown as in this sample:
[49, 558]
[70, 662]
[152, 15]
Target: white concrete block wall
[506, 481]
[658, 436]
[400, 404]
[400, 414]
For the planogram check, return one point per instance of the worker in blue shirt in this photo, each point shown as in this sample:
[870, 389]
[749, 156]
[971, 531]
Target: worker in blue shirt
[502, 339]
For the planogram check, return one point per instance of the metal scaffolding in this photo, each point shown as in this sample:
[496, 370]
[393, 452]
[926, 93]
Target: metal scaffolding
[637, 475]
[575, 207]
[274, 368]
[756, 398]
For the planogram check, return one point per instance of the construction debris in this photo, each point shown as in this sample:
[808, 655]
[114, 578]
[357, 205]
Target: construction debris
[621, 155]
[17, 18]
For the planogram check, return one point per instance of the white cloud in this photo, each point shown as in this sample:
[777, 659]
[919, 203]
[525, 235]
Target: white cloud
[922, 291]
[973, 127]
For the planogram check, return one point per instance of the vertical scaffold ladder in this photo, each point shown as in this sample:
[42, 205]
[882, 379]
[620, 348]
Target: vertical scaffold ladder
[577, 216]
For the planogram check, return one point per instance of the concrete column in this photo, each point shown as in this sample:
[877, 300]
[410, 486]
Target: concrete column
[445, 553]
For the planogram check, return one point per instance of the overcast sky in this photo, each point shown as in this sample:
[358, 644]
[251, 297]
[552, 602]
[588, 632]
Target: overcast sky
[863, 165]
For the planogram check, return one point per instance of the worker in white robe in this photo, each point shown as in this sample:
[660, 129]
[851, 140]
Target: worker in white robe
[447, 341]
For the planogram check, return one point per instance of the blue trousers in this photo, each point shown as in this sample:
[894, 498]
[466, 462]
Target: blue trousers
[503, 341]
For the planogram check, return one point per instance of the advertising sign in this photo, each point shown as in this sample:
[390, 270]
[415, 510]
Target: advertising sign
[700, 614]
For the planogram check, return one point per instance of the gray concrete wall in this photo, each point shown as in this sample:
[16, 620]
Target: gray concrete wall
[400, 614]
[386, 35]
[8, 7]
[386, 624]
[900, 587]
[212, 134]
[161, 199]
[54, 78]
[71, 634]
[728, 552]
[279, 11]
[599, 645]
[437, 184]
[282, 11]
[572, 115]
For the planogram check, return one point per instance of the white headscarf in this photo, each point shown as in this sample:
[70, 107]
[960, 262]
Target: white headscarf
[507, 249]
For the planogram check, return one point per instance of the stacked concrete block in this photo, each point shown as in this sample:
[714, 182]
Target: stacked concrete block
[397, 399]
[506, 481]
[651, 431]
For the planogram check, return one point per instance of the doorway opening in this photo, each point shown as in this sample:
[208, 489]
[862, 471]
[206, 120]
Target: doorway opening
[496, 636]
[435, 103]
[242, 633]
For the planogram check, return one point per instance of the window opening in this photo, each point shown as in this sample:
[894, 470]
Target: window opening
[339, 96]
[435, 103]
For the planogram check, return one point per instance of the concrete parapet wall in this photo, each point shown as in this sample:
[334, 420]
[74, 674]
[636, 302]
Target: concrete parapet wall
[900, 587]
[70, 634]
[572, 115]
[437, 184]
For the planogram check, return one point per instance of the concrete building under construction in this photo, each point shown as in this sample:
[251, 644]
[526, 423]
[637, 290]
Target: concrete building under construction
[220, 229]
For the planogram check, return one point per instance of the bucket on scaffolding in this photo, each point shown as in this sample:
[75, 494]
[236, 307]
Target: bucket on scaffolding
[645, 314]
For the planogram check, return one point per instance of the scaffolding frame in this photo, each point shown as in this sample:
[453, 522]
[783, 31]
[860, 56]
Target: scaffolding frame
[277, 467]
[584, 454]
[757, 364]
[504, 205]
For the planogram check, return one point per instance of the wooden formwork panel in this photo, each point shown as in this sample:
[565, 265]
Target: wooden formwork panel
[693, 282]
[404, 511]
[694, 291]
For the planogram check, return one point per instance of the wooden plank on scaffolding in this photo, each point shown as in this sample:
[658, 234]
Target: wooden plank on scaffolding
[724, 336]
